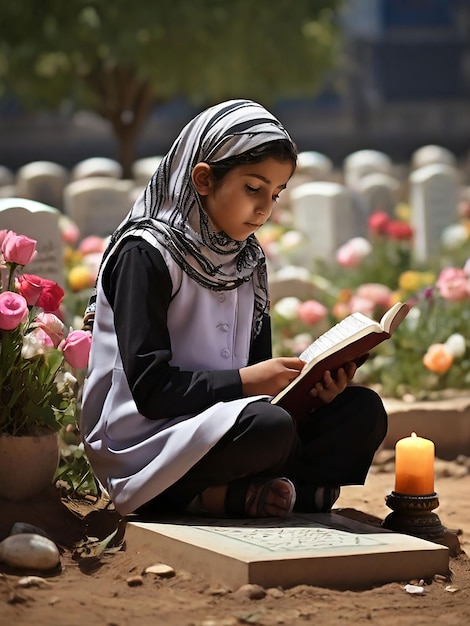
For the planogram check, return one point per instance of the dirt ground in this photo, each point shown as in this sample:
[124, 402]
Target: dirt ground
[113, 590]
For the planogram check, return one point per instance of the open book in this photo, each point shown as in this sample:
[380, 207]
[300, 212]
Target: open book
[349, 340]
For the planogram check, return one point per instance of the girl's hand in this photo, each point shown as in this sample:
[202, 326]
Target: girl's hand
[330, 387]
[271, 376]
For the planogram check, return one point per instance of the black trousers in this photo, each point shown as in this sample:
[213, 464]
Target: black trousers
[333, 447]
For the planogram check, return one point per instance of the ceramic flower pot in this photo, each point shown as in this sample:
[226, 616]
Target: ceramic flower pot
[27, 464]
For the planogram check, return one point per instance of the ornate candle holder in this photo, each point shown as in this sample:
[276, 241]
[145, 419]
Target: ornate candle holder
[412, 515]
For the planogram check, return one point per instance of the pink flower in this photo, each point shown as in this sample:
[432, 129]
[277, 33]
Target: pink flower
[76, 348]
[311, 312]
[18, 249]
[378, 222]
[360, 304]
[69, 230]
[36, 342]
[13, 310]
[3, 234]
[353, 252]
[379, 294]
[453, 284]
[92, 244]
[51, 293]
[52, 326]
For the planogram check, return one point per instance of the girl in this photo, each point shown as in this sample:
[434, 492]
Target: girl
[176, 413]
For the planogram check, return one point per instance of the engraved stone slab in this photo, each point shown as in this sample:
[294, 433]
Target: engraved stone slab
[326, 550]
[41, 222]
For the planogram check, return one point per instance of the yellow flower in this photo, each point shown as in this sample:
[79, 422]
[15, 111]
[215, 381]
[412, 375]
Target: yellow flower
[403, 211]
[409, 281]
[80, 277]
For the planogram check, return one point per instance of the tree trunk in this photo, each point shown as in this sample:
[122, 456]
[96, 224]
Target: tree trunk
[125, 101]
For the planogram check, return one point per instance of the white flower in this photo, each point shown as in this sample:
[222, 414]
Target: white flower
[287, 307]
[454, 236]
[412, 319]
[290, 240]
[293, 272]
[456, 345]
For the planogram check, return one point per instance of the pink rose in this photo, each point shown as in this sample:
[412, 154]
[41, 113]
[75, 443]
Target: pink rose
[36, 342]
[13, 310]
[311, 312]
[76, 348]
[3, 234]
[360, 304]
[51, 294]
[378, 222]
[453, 284]
[92, 244]
[18, 249]
[379, 294]
[353, 252]
[51, 325]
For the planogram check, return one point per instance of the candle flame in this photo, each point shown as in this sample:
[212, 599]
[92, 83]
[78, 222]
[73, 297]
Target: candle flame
[414, 435]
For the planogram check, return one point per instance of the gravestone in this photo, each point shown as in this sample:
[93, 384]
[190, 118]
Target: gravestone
[96, 166]
[326, 550]
[313, 166]
[144, 169]
[41, 222]
[328, 214]
[98, 204]
[434, 197]
[42, 181]
[430, 155]
[380, 191]
[363, 162]
[7, 177]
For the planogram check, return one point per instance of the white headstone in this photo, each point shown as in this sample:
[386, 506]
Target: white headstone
[40, 222]
[380, 191]
[43, 181]
[97, 205]
[363, 162]
[143, 169]
[6, 176]
[97, 166]
[314, 165]
[329, 215]
[431, 154]
[434, 196]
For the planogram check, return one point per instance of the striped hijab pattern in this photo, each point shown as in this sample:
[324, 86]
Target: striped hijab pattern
[170, 211]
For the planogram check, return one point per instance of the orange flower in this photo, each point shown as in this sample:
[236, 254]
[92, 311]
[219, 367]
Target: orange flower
[438, 358]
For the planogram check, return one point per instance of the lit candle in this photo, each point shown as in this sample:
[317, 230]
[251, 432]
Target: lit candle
[414, 466]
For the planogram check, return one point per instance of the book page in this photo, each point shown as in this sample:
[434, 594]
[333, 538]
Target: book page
[353, 326]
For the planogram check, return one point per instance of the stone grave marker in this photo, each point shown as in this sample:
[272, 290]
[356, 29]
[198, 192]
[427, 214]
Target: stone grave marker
[328, 214]
[96, 166]
[43, 181]
[41, 222]
[313, 166]
[97, 204]
[144, 169]
[363, 162]
[430, 155]
[380, 191]
[326, 550]
[434, 197]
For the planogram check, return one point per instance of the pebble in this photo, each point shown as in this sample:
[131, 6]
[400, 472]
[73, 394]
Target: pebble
[160, 569]
[251, 592]
[135, 581]
[33, 581]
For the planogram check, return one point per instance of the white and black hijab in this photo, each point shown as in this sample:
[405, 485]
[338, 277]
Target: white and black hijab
[170, 209]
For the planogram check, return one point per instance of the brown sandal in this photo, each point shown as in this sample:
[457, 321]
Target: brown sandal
[247, 497]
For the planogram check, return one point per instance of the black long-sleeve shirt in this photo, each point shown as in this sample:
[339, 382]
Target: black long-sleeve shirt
[139, 289]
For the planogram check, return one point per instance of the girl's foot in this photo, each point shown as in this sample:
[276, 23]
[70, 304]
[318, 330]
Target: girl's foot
[250, 497]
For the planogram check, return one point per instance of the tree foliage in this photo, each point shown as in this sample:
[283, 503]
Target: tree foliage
[120, 58]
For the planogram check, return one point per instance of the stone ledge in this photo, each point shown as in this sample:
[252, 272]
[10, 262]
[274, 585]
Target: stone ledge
[445, 422]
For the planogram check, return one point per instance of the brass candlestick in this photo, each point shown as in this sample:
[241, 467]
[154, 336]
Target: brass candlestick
[412, 515]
